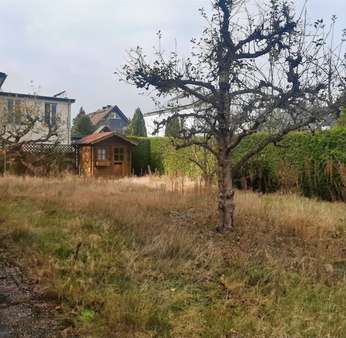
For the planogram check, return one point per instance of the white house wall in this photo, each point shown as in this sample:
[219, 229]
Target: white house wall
[37, 106]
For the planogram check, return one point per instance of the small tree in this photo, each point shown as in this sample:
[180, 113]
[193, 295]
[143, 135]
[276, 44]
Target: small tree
[22, 126]
[82, 125]
[137, 125]
[173, 127]
[245, 70]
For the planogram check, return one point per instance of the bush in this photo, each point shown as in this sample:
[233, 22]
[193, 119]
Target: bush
[43, 163]
[311, 163]
[140, 155]
[158, 150]
[2, 161]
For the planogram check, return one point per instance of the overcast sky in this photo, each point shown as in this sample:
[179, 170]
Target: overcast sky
[76, 45]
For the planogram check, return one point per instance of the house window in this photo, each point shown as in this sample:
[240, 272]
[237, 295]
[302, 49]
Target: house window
[118, 154]
[101, 154]
[14, 113]
[50, 114]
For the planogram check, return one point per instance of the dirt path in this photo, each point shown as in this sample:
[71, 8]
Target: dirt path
[22, 313]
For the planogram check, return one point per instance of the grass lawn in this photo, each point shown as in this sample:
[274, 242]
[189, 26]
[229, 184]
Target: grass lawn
[140, 258]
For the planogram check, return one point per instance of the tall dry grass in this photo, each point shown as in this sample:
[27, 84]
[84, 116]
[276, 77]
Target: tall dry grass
[176, 220]
[130, 200]
[139, 257]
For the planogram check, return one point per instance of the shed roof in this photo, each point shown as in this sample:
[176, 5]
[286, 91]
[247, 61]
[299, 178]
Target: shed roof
[95, 138]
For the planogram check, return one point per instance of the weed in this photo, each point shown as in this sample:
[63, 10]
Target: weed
[132, 258]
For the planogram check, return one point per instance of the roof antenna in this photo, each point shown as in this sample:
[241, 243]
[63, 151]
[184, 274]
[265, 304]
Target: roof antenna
[59, 94]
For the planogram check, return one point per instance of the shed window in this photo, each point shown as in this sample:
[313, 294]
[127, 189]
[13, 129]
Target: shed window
[50, 114]
[118, 154]
[101, 154]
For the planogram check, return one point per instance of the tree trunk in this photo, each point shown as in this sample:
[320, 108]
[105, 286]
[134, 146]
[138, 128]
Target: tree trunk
[226, 193]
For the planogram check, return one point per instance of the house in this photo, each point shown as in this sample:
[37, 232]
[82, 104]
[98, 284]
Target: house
[54, 111]
[111, 117]
[105, 154]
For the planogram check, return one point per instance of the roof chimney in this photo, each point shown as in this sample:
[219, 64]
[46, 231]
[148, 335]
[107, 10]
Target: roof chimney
[3, 77]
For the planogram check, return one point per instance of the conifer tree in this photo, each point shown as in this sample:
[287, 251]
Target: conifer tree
[173, 127]
[82, 125]
[137, 125]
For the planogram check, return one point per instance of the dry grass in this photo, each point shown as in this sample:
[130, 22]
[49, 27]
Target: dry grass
[140, 258]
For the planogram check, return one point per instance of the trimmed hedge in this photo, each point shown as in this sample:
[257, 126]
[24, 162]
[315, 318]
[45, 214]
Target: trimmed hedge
[140, 155]
[158, 154]
[313, 163]
[159, 148]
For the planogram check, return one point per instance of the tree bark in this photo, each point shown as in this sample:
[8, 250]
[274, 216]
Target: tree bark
[226, 204]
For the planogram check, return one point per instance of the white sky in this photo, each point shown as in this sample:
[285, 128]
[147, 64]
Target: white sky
[76, 45]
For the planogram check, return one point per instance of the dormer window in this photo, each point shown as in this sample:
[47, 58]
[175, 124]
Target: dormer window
[115, 116]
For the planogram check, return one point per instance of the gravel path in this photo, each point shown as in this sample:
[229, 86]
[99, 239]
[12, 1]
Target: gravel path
[22, 313]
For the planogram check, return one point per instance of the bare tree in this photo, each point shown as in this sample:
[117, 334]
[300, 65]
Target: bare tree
[204, 160]
[23, 125]
[245, 70]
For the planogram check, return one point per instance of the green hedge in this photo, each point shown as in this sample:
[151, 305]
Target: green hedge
[158, 154]
[314, 164]
[140, 155]
[159, 147]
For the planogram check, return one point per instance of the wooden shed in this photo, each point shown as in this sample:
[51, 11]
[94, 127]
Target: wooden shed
[105, 154]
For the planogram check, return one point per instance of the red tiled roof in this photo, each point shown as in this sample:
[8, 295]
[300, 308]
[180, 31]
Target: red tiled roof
[99, 115]
[94, 138]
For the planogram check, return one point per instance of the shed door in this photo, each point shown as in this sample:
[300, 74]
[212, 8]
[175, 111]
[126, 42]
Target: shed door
[118, 161]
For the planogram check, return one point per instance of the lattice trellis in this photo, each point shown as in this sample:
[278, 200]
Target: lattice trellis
[67, 151]
[44, 148]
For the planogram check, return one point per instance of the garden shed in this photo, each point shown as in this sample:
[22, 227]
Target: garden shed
[105, 154]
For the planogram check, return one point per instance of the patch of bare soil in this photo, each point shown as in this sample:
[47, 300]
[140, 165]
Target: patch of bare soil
[22, 312]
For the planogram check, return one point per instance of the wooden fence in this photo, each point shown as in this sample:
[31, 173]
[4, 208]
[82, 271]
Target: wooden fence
[40, 159]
